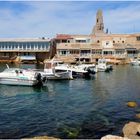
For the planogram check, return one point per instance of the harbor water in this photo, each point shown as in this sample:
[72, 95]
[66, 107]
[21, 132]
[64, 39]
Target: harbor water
[76, 108]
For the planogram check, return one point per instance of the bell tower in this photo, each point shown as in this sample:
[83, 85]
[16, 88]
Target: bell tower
[99, 26]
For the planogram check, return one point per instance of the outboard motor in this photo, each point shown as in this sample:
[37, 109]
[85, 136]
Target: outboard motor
[44, 79]
[38, 76]
[39, 79]
[90, 71]
[87, 75]
[111, 67]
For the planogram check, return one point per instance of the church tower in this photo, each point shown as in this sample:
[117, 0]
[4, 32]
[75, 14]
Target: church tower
[99, 27]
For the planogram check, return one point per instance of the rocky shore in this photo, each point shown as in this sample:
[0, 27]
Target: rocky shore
[41, 138]
[130, 130]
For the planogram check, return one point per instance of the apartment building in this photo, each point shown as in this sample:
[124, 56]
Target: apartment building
[98, 44]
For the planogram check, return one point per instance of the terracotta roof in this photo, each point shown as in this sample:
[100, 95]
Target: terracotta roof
[63, 36]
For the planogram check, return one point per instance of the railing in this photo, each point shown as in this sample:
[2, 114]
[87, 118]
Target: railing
[86, 54]
[92, 55]
[25, 49]
[120, 55]
[75, 45]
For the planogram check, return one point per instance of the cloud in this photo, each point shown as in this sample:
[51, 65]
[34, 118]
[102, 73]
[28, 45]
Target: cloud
[123, 19]
[46, 18]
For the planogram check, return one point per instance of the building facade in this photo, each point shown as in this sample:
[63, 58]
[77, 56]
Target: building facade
[89, 48]
[40, 48]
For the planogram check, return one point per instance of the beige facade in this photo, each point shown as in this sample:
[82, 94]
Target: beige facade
[98, 44]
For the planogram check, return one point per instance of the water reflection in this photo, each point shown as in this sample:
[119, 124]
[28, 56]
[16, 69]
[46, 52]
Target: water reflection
[7, 90]
[95, 125]
[70, 109]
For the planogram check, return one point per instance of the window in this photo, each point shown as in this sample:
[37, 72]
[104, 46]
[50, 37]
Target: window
[64, 41]
[63, 52]
[74, 51]
[88, 40]
[85, 51]
[5, 54]
[119, 52]
[107, 43]
[80, 41]
[138, 38]
[108, 52]
[96, 51]
[20, 45]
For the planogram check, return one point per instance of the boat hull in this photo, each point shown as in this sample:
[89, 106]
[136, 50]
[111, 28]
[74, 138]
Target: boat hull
[14, 81]
[135, 64]
[104, 68]
[76, 72]
[58, 76]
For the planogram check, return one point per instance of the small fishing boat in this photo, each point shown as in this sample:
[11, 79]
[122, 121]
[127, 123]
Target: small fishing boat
[103, 66]
[17, 76]
[50, 71]
[77, 71]
[91, 68]
[135, 62]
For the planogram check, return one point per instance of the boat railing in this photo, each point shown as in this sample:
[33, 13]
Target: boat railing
[7, 66]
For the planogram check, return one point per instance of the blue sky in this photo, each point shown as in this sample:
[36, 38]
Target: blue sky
[48, 18]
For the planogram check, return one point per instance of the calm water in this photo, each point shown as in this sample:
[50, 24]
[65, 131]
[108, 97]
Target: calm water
[71, 109]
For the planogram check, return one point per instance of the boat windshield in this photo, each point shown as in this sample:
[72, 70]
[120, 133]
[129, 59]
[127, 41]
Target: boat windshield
[102, 61]
[13, 70]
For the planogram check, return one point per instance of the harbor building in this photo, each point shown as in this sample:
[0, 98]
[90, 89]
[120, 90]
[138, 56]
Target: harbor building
[98, 44]
[16, 49]
[74, 48]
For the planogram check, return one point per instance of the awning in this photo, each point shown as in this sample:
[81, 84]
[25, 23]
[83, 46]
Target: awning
[27, 57]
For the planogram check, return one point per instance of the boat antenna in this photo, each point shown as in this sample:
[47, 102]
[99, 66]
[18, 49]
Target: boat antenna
[7, 66]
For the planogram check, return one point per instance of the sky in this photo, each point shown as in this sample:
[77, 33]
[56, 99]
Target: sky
[23, 19]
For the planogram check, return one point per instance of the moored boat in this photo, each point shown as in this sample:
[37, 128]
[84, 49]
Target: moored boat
[103, 66]
[135, 62]
[91, 68]
[50, 72]
[77, 71]
[17, 76]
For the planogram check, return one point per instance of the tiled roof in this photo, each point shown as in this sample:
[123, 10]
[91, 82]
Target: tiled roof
[63, 36]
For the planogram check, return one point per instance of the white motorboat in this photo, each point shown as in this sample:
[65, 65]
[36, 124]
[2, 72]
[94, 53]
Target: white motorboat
[89, 67]
[51, 73]
[135, 62]
[77, 71]
[16, 76]
[103, 66]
